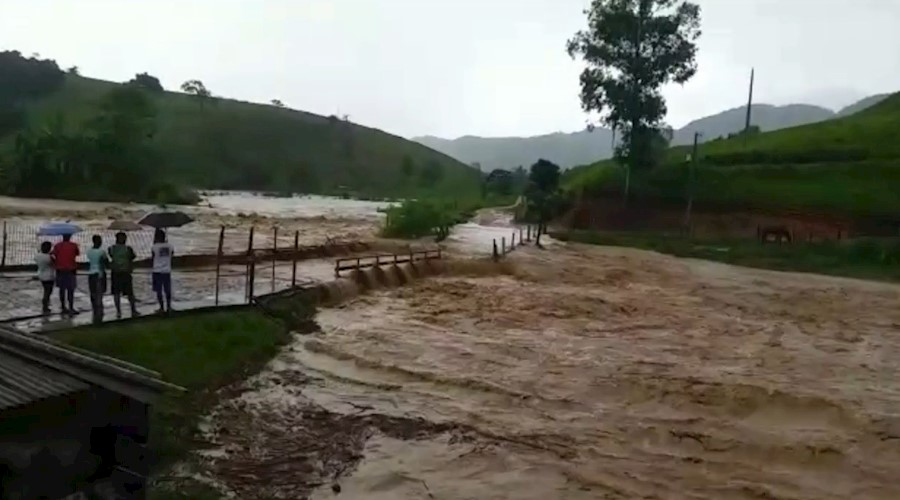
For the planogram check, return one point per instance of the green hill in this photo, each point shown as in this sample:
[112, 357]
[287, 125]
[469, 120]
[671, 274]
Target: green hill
[849, 165]
[219, 143]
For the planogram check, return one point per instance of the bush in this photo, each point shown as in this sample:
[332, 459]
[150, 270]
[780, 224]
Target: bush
[417, 218]
[170, 194]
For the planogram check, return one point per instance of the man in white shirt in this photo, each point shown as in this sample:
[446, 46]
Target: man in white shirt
[162, 270]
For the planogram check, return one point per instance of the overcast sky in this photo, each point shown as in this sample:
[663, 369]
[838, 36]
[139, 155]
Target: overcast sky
[454, 67]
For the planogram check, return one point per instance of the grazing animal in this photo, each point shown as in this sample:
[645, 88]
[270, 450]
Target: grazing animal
[779, 234]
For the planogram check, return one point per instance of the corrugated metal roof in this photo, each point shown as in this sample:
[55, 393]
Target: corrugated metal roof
[33, 367]
[23, 382]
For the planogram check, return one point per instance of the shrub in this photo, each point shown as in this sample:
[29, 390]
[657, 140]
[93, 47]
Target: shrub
[415, 218]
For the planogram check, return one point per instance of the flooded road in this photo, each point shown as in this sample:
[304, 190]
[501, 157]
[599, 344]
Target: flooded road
[581, 372]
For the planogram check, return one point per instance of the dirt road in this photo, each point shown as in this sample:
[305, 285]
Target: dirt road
[583, 372]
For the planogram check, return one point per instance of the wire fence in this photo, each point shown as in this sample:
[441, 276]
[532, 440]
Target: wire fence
[20, 241]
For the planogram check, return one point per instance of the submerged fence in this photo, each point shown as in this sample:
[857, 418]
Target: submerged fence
[504, 246]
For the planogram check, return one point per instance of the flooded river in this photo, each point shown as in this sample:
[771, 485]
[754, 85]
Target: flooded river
[316, 218]
[575, 373]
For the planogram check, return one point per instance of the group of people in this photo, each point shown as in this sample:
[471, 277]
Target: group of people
[57, 265]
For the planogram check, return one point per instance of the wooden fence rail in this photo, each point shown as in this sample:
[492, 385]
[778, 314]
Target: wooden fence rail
[377, 260]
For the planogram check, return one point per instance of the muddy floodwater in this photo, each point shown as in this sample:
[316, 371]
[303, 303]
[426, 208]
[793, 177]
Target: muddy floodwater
[578, 373]
[316, 218]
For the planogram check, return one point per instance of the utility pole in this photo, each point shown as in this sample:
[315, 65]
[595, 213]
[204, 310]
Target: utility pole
[612, 142]
[692, 167]
[749, 103]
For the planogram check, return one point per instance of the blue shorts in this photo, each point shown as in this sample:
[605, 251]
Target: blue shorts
[65, 280]
[162, 282]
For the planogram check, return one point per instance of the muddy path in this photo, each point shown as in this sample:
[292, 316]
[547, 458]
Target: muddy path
[581, 372]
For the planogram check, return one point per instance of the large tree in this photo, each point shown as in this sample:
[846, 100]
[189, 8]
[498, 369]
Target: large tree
[197, 88]
[542, 193]
[147, 81]
[632, 48]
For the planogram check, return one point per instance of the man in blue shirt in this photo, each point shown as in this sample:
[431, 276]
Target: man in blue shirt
[98, 261]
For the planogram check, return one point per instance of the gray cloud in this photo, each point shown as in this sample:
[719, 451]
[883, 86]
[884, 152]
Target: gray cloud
[448, 68]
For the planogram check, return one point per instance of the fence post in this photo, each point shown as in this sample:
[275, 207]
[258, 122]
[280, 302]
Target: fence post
[274, 255]
[219, 260]
[521, 240]
[503, 245]
[248, 286]
[495, 254]
[252, 275]
[3, 259]
[294, 265]
[512, 244]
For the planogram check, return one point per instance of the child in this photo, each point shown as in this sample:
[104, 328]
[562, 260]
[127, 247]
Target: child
[46, 274]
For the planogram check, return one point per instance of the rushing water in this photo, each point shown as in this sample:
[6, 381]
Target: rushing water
[581, 373]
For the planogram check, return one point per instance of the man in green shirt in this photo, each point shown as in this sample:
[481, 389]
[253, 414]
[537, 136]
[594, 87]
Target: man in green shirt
[121, 258]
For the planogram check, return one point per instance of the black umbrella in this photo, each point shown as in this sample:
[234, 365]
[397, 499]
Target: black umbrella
[165, 219]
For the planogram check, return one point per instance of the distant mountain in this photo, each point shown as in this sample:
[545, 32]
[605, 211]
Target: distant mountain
[509, 152]
[579, 148]
[764, 116]
[862, 104]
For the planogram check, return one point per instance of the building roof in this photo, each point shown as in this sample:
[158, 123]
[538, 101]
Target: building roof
[34, 368]
[22, 382]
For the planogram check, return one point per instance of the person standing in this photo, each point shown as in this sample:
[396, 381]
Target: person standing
[97, 264]
[64, 254]
[162, 270]
[122, 258]
[46, 274]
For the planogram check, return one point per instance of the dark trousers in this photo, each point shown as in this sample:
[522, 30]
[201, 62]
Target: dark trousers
[48, 291]
[97, 286]
[162, 285]
[65, 281]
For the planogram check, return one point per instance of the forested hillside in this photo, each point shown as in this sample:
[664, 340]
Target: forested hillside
[63, 135]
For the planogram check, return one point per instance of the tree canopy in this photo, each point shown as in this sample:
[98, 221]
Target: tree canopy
[147, 81]
[632, 48]
[544, 176]
[22, 80]
[500, 181]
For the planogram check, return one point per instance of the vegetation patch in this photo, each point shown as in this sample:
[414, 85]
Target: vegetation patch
[848, 166]
[866, 258]
[418, 218]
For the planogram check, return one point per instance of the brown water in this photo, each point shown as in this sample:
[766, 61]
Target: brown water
[581, 373]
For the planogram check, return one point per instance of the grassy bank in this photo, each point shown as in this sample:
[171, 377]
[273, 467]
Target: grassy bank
[202, 352]
[872, 259]
[848, 166]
